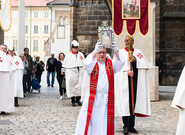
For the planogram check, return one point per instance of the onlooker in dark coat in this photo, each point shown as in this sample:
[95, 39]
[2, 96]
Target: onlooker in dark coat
[29, 69]
[50, 67]
[25, 73]
[39, 66]
[159, 63]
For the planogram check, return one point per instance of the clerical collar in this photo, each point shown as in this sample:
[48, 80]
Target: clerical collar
[127, 49]
[74, 52]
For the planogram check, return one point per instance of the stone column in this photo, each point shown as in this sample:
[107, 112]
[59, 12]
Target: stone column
[21, 31]
[1, 36]
[73, 20]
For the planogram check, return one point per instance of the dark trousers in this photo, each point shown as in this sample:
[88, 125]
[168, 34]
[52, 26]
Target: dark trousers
[160, 78]
[26, 82]
[75, 99]
[52, 78]
[129, 121]
[38, 77]
[61, 89]
[16, 101]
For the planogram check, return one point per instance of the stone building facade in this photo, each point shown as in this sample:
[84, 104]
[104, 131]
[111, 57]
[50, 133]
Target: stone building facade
[170, 38]
[170, 31]
[87, 16]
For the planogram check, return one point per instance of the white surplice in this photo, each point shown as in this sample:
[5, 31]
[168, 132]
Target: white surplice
[18, 77]
[11, 59]
[98, 122]
[179, 103]
[73, 76]
[142, 106]
[6, 91]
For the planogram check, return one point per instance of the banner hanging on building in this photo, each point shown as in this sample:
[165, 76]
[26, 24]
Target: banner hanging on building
[128, 12]
[5, 15]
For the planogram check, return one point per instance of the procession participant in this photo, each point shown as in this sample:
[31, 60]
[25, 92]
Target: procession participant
[11, 55]
[140, 103]
[7, 94]
[18, 77]
[179, 103]
[97, 113]
[73, 64]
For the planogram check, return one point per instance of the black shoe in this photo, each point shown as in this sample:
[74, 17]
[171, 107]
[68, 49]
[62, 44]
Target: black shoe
[52, 86]
[79, 103]
[133, 130]
[126, 131]
[48, 85]
[73, 104]
[16, 105]
[3, 113]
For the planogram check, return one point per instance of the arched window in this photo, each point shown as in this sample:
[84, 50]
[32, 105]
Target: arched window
[66, 21]
[61, 21]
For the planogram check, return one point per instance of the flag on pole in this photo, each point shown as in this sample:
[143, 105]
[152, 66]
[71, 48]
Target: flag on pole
[128, 12]
[5, 15]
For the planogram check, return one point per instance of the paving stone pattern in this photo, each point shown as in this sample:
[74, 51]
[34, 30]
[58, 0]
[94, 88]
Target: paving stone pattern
[45, 114]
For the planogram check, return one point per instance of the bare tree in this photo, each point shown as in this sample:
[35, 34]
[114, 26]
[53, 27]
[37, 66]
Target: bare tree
[109, 5]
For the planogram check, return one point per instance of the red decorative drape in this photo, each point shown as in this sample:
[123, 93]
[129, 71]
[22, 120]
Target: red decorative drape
[131, 23]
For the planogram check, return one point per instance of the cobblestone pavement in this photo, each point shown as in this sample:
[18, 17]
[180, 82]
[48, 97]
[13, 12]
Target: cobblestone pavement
[44, 114]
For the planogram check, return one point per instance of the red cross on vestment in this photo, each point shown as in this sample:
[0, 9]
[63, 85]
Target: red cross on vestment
[1, 60]
[81, 57]
[140, 55]
[17, 63]
[95, 72]
[109, 68]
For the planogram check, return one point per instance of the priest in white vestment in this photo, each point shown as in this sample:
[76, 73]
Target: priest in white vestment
[13, 69]
[97, 113]
[179, 103]
[6, 91]
[73, 63]
[141, 91]
[17, 75]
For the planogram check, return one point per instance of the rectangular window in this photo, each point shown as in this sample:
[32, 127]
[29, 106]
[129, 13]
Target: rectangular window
[46, 14]
[26, 29]
[35, 45]
[26, 43]
[61, 32]
[15, 44]
[35, 28]
[45, 28]
[35, 14]
[26, 14]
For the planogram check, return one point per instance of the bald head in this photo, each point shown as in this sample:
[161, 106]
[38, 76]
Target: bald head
[127, 40]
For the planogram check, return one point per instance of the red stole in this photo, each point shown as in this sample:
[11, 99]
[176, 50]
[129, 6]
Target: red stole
[93, 87]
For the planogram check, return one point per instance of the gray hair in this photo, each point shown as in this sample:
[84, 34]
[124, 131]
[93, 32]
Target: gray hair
[129, 37]
[3, 45]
